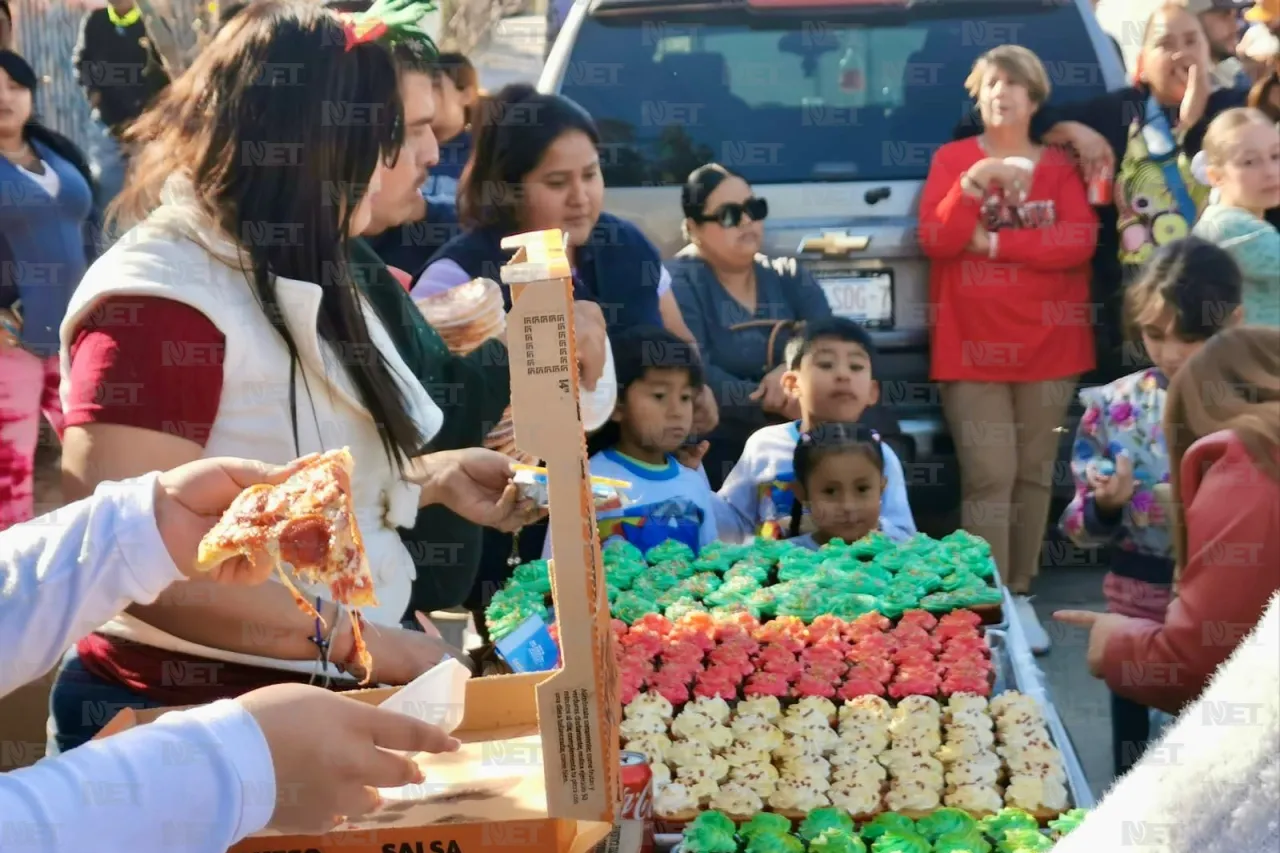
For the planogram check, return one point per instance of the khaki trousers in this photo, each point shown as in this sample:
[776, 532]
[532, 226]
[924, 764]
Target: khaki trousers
[1006, 441]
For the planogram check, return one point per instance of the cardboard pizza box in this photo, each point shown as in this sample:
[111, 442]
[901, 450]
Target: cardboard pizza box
[539, 768]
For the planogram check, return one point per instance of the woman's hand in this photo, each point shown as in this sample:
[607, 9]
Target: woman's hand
[706, 414]
[1199, 86]
[1091, 148]
[475, 483]
[331, 753]
[1101, 626]
[994, 171]
[980, 242]
[770, 393]
[1112, 493]
[589, 324]
[189, 501]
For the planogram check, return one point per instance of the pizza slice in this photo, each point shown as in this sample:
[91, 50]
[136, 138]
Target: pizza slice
[307, 524]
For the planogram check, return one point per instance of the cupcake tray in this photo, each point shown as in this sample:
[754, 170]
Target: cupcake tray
[1007, 677]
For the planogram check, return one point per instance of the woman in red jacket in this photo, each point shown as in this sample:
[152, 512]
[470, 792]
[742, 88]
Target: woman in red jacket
[1222, 424]
[1008, 226]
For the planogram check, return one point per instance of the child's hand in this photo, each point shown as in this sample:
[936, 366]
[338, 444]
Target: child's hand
[1112, 492]
[690, 456]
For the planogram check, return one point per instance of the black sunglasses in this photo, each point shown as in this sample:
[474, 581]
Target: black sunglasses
[730, 215]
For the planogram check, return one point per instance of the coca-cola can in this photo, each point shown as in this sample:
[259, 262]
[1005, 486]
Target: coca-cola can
[633, 826]
[1100, 188]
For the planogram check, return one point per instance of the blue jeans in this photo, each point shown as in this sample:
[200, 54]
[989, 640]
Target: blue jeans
[81, 703]
[106, 162]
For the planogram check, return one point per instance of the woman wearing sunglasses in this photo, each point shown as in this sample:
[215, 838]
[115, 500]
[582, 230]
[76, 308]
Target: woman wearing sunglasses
[740, 307]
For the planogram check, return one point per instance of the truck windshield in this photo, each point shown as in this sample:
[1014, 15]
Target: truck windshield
[791, 99]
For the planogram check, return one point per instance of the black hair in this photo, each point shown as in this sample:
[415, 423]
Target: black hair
[19, 69]
[462, 73]
[215, 110]
[832, 328]
[4, 8]
[700, 184]
[1195, 279]
[636, 351]
[826, 440]
[513, 130]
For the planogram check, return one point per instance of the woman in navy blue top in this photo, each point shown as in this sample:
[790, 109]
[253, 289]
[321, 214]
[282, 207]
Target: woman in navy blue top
[46, 240]
[535, 166]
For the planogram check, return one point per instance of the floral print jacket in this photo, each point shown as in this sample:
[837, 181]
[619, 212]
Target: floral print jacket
[1124, 417]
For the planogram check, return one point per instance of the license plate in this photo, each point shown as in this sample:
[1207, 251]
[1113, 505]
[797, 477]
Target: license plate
[864, 296]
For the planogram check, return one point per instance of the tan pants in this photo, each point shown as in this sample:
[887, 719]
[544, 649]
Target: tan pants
[1007, 445]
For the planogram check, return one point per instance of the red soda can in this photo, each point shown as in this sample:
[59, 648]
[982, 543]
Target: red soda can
[1100, 189]
[633, 827]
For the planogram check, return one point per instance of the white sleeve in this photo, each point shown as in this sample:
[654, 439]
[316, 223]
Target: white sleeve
[896, 519]
[710, 530]
[738, 507]
[65, 573]
[437, 278]
[193, 781]
[664, 282]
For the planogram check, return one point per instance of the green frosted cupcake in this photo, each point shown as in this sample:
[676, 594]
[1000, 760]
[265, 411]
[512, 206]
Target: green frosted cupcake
[852, 605]
[710, 832]
[1024, 841]
[671, 549]
[922, 581]
[892, 561]
[535, 575]
[773, 842]
[920, 543]
[737, 589]
[887, 822]
[943, 821]
[729, 552]
[970, 841]
[820, 820]
[959, 579]
[765, 601]
[748, 569]
[898, 601]
[901, 842]
[630, 606]
[1007, 819]
[862, 583]
[837, 841]
[984, 596]
[700, 585]
[764, 822]
[1067, 822]
[621, 549]
[681, 608]
[798, 566]
[871, 545]
[736, 606]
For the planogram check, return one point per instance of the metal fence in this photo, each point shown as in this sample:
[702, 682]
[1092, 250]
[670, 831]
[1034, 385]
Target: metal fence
[46, 35]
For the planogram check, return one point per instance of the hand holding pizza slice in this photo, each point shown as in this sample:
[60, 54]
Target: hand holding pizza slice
[307, 523]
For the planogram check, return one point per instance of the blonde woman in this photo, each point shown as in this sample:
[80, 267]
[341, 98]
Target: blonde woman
[1242, 162]
[1008, 226]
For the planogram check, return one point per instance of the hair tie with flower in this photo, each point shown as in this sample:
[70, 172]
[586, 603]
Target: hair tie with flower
[392, 22]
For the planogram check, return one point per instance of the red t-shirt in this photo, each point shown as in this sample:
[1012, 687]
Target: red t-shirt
[154, 364]
[1024, 315]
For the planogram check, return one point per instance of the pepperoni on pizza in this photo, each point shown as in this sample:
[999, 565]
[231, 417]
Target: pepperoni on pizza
[308, 524]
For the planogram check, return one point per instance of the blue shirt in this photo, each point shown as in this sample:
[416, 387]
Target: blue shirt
[664, 502]
[44, 244]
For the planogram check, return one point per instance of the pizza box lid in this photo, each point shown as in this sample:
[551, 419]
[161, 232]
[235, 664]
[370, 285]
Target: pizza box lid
[491, 796]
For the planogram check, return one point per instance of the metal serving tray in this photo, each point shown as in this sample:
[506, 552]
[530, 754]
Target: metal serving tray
[1029, 679]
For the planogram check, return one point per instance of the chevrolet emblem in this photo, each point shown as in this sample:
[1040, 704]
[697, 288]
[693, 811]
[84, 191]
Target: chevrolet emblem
[834, 243]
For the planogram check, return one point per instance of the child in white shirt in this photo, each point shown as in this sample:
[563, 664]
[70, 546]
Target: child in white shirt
[658, 377]
[839, 471]
[830, 374]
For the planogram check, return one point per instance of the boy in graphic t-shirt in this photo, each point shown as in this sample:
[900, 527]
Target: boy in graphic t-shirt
[830, 373]
[659, 376]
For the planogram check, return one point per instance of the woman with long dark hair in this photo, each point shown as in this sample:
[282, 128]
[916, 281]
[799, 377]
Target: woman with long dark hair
[230, 317]
[47, 238]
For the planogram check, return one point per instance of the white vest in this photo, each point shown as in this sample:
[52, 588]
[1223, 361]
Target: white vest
[161, 257]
